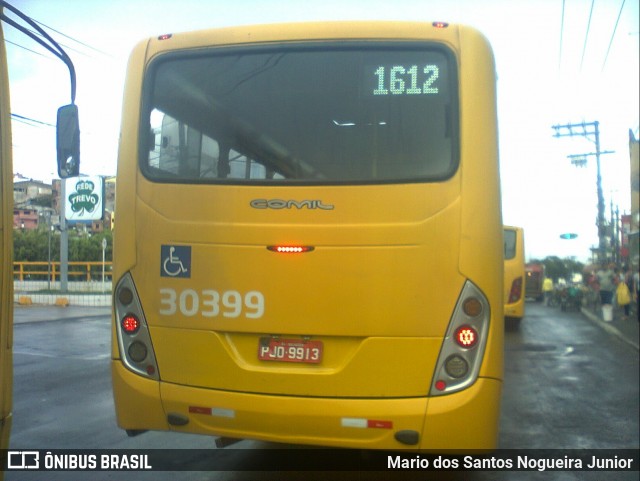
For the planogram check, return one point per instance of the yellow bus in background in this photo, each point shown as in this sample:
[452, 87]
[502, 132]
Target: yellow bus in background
[309, 243]
[68, 147]
[514, 277]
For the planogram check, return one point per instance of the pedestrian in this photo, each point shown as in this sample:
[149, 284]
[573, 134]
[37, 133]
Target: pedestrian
[623, 297]
[607, 287]
[547, 289]
[594, 289]
[628, 278]
[636, 290]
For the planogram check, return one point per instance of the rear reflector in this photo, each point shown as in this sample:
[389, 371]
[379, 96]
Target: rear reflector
[218, 412]
[366, 423]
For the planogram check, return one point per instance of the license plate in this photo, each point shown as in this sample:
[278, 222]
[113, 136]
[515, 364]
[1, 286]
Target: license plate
[290, 350]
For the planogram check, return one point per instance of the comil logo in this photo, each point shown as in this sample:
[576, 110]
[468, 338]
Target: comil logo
[289, 204]
[23, 460]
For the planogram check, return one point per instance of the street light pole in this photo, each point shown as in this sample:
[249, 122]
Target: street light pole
[64, 240]
[49, 251]
[601, 222]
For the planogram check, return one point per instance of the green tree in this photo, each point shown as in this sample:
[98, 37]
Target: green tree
[33, 246]
[88, 248]
[557, 268]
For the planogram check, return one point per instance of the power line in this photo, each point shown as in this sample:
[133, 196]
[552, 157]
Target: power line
[613, 35]
[29, 120]
[587, 130]
[561, 35]
[27, 49]
[46, 41]
[84, 44]
[73, 39]
[34, 32]
[586, 37]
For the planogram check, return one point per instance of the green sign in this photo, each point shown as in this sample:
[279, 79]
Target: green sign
[84, 199]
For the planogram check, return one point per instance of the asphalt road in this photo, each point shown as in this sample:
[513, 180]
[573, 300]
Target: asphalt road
[568, 385]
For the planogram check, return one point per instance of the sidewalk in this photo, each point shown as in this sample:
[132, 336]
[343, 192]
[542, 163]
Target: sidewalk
[88, 294]
[626, 330]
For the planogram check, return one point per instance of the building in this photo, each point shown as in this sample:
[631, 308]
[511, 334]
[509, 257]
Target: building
[37, 203]
[32, 203]
[634, 153]
[27, 192]
[25, 218]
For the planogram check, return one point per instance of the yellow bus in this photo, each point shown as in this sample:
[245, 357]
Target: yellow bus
[68, 147]
[309, 242]
[514, 278]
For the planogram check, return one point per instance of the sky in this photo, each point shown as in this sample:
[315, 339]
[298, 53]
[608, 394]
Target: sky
[558, 62]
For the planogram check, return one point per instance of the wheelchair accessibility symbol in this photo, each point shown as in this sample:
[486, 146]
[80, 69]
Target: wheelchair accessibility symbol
[175, 261]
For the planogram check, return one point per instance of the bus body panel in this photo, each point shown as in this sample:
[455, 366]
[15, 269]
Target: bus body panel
[379, 288]
[230, 361]
[6, 253]
[481, 250]
[366, 423]
[140, 407]
[461, 421]
[352, 318]
[514, 308]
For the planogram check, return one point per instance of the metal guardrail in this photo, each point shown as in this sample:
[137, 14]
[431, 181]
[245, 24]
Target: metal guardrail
[79, 271]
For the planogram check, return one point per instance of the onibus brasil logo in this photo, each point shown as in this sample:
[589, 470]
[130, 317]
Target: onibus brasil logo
[84, 199]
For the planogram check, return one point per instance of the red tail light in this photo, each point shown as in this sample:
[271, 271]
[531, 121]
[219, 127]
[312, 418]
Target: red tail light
[130, 324]
[134, 339]
[466, 336]
[516, 290]
[463, 345]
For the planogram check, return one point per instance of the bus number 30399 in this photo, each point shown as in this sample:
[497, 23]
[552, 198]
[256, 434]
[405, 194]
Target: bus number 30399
[211, 303]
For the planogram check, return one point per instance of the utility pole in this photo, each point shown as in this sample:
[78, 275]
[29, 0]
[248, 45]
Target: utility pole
[615, 233]
[589, 130]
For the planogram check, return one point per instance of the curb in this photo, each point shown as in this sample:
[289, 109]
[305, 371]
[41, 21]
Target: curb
[609, 328]
[96, 300]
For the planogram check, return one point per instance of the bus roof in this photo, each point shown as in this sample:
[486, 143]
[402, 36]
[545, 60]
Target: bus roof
[312, 31]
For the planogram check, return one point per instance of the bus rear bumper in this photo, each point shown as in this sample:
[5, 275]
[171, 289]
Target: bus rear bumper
[514, 311]
[467, 420]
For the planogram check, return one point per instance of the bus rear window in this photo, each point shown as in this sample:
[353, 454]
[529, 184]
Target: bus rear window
[510, 246]
[323, 114]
